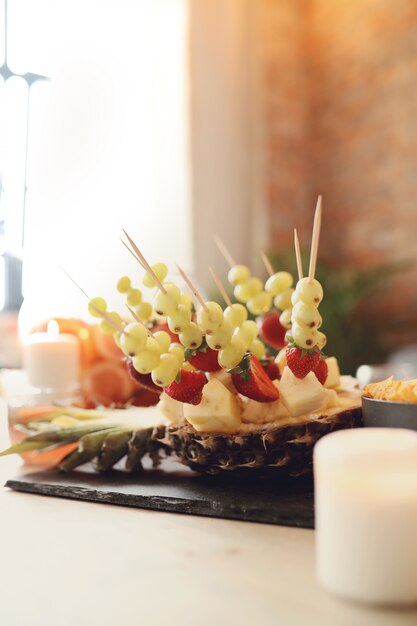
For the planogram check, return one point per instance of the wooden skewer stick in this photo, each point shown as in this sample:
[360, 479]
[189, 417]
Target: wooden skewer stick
[298, 255]
[73, 281]
[133, 254]
[102, 314]
[193, 289]
[315, 239]
[137, 319]
[108, 319]
[267, 263]
[225, 252]
[220, 287]
[145, 263]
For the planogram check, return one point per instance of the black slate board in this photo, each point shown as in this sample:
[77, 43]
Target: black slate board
[286, 502]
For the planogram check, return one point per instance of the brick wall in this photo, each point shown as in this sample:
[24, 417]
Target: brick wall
[281, 34]
[340, 110]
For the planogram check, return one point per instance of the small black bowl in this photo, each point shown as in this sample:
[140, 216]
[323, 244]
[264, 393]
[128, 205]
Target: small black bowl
[384, 413]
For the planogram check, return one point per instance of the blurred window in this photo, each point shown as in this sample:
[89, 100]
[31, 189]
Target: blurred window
[101, 144]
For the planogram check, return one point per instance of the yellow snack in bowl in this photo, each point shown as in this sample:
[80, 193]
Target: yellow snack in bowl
[392, 390]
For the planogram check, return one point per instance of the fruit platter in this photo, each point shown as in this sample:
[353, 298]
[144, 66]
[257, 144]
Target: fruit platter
[240, 388]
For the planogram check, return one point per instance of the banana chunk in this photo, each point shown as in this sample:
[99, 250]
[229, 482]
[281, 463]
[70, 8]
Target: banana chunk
[333, 373]
[301, 395]
[218, 411]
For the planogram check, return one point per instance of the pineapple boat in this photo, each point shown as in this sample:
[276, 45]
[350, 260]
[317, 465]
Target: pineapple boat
[224, 403]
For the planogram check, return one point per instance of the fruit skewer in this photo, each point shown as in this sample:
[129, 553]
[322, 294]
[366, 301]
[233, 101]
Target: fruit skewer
[303, 353]
[220, 429]
[216, 339]
[263, 300]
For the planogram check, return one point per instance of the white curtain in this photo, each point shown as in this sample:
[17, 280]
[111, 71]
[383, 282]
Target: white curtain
[108, 140]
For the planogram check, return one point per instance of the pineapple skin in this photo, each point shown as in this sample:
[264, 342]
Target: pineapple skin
[281, 450]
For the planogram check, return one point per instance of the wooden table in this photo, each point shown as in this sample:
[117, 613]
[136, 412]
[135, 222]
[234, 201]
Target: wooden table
[68, 563]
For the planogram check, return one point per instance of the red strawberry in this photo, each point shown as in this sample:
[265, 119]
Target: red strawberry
[189, 389]
[272, 369]
[144, 397]
[272, 331]
[301, 362]
[321, 370]
[206, 360]
[144, 380]
[253, 382]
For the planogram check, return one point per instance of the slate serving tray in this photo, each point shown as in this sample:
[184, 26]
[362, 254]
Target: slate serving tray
[286, 502]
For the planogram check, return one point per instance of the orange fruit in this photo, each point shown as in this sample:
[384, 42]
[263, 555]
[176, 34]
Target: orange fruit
[107, 383]
[105, 344]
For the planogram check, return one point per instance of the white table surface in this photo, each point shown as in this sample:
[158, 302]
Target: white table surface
[66, 563]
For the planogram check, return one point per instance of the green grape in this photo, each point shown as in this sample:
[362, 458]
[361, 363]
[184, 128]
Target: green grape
[307, 315]
[321, 340]
[279, 282]
[248, 331]
[123, 284]
[133, 340]
[232, 355]
[308, 291]
[108, 328]
[238, 274]
[167, 303]
[236, 314]
[148, 358]
[180, 319]
[260, 304]
[166, 371]
[248, 289]
[96, 305]
[134, 297]
[187, 300]
[163, 338]
[220, 337]
[285, 318]
[144, 311]
[160, 269]
[303, 336]
[191, 337]
[211, 318]
[257, 348]
[283, 300]
[178, 351]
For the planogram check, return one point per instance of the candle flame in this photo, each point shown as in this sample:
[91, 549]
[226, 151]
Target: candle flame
[52, 328]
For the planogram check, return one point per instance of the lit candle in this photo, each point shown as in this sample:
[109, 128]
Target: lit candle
[52, 360]
[366, 514]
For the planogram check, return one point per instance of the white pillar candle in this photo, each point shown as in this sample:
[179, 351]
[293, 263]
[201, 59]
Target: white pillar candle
[366, 514]
[52, 360]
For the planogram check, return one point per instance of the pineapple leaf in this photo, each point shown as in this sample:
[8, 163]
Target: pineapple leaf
[25, 446]
[88, 447]
[115, 447]
[137, 447]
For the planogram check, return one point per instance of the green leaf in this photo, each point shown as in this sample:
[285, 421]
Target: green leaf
[25, 446]
[189, 353]
[115, 446]
[234, 370]
[138, 446]
[178, 377]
